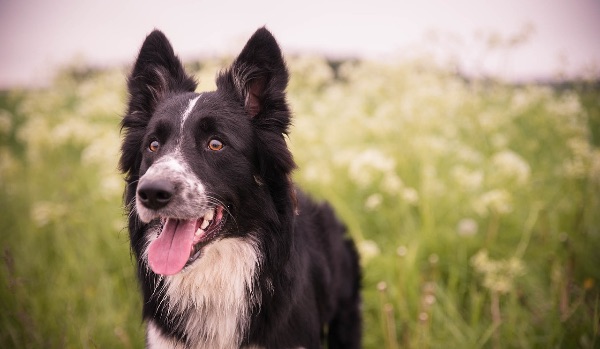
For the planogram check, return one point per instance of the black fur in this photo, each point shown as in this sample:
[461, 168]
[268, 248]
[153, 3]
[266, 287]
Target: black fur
[308, 278]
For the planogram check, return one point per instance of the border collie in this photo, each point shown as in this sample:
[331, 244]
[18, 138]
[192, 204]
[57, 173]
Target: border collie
[229, 253]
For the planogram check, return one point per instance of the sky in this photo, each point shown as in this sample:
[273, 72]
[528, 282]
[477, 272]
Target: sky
[560, 36]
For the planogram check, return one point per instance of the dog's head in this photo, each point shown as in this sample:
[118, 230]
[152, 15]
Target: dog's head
[204, 166]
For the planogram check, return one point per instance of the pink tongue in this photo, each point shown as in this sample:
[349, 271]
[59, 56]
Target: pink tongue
[168, 254]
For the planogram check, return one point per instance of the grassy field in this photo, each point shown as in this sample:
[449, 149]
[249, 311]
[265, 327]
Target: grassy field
[475, 205]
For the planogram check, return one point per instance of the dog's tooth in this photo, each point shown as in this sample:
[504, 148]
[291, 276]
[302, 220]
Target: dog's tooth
[209, 215]
[198, 232]
[204, 224]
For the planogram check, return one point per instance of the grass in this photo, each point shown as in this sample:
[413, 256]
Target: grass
[474, 205]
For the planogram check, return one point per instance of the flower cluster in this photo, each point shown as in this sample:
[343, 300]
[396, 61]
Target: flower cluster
[498, 275]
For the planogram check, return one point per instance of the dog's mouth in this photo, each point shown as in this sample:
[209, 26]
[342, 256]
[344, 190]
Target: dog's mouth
[181, 241]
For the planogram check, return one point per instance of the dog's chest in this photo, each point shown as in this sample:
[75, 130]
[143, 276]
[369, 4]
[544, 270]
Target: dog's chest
[212, 297]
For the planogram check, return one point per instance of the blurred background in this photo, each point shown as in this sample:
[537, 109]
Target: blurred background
[459, 141]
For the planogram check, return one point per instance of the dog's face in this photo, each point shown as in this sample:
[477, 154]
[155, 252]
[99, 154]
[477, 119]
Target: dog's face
[195, 154]
[194, 161]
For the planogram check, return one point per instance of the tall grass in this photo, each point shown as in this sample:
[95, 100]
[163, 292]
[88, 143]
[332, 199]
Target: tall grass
[475, 205]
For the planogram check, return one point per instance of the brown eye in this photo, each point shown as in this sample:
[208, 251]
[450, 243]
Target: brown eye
[154, 145]
[215, 145]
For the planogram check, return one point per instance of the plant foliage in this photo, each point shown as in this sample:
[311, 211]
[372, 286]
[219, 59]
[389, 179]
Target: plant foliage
[475, 205]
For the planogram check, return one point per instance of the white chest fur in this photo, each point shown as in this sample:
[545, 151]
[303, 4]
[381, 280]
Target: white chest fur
[215, 293]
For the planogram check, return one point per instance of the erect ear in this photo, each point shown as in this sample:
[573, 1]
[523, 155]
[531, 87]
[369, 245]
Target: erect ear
[258, 75]
[257, 79]
[157, 71]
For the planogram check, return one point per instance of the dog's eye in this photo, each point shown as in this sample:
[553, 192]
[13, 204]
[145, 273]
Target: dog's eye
[154, 146]
[215, 144]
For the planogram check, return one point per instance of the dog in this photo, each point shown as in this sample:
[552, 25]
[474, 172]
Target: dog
[230, 254]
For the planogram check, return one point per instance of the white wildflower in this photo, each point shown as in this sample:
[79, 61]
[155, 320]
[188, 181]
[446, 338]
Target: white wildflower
[73, 129]
[490, 120]
[43, 212]
[103, 150]
[373, 201]
[410, 195]
[509, 165]
[467, 179]
[392, 183]
[311, 72]
[433, 258]
[368, 249]
[467, 227]
[520, 101]
[111, 186]
[367, 165]
[429, 299]
[497, 200]
[582, 156]
[567, 104]
[317, 173]
[401, 251]
[498, 275]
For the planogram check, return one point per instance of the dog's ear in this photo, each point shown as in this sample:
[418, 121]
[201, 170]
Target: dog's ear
[258, 76]
[156, 73]
[257, 79]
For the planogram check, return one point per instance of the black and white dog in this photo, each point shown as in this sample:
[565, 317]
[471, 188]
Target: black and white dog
[229, 253]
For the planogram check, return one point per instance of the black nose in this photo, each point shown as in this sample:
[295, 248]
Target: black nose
[155, 194]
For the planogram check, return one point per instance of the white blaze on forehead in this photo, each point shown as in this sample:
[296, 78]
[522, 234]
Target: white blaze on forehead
[188, 110]
[184, 116]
